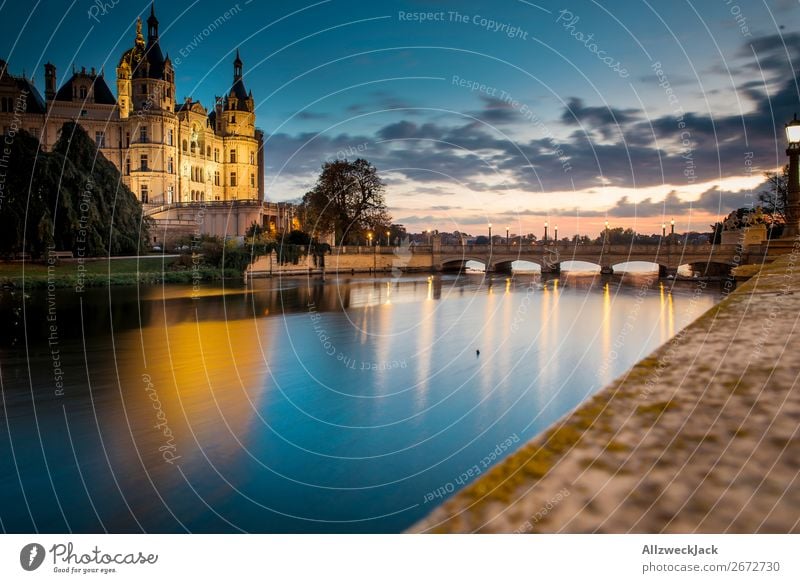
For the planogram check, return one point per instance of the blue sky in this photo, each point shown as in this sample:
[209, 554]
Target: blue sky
[511, 112]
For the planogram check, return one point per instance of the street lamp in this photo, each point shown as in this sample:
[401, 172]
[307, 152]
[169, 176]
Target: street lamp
[793, 188]
[369, 238]
[671, 227]
[606, 232]
[663, 230]
[429, 236]
[506, 234]
[387, 238]
[545, 231]
[490, 233]
[555, 234]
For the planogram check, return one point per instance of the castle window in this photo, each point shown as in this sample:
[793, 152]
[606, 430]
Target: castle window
[100, 139]
[127, 139]
[252, 157]
[202, 195]
[233, 156]
[6, 104]
[208, 152]
[233, 178]
[143, 88]
[170, 193]
[216, 178]
[170, 165]
[193, 147]
[143, 133]
[127, 166]
[185, 145]
[252, 180]
[145, 193]
[216, 154]
[233, 118]
[143, 162]
[170, 137]
[83, 91]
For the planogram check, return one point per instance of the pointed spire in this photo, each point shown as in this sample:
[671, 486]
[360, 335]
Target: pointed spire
[237, 67]
[152, 24]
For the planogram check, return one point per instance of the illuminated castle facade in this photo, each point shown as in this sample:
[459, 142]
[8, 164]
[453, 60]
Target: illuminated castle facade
[167, 152]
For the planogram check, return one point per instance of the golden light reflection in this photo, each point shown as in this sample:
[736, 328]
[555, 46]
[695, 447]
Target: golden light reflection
[423, 354]
[670, 315]
[606, 324]
[545, 350]
[662, 321]
[196, 384]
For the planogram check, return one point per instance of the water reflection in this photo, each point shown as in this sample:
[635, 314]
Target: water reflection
[298, 405]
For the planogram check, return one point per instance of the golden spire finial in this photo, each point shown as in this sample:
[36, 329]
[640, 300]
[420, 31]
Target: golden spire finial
[139, 37]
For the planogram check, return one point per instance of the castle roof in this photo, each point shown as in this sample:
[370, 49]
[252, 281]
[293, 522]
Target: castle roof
[102, 93]
[145, 61]
[34, 103]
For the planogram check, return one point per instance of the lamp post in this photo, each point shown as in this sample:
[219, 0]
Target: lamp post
[388, 234]
[506, 234]
[369, 239]
[490, 233]
[429, 236]
[606, 233]
[555, 234]
[545, 231]
[793, 188]
[671, 227]
[663, 230]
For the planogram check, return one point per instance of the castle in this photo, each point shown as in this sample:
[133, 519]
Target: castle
[177, 158]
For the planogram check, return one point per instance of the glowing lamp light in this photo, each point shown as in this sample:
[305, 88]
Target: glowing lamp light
[793, 131]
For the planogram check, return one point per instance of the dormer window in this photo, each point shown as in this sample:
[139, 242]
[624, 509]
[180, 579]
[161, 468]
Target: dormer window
[233, 118]
[83, 91]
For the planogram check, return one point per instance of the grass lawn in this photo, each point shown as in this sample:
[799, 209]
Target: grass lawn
[95, 272]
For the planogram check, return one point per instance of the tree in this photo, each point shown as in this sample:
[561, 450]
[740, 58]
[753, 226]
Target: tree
[348, 200]
[773, 199]
[71, 198]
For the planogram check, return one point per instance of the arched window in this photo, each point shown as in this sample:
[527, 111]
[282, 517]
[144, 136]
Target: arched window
[208, 152]
[185, 145]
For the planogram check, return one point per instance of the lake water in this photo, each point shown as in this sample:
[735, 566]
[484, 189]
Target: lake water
[297, 405]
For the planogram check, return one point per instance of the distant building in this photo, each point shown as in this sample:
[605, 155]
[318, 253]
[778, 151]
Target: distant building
[177, 158]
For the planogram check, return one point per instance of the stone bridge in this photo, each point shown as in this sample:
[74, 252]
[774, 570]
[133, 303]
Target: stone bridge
[703, 259]
[499, 258]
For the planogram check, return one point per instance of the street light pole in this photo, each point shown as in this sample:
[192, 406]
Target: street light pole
[663, 230]
[506, 235]
[671, 227]
[555, 234]
[793, 188]
[490, 233]
[388, 234]
[545, 231]
[606, 233]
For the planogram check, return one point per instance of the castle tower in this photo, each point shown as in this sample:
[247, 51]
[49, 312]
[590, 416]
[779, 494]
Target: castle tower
[241, 147]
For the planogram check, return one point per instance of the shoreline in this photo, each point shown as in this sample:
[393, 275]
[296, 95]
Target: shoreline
[700, 436]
